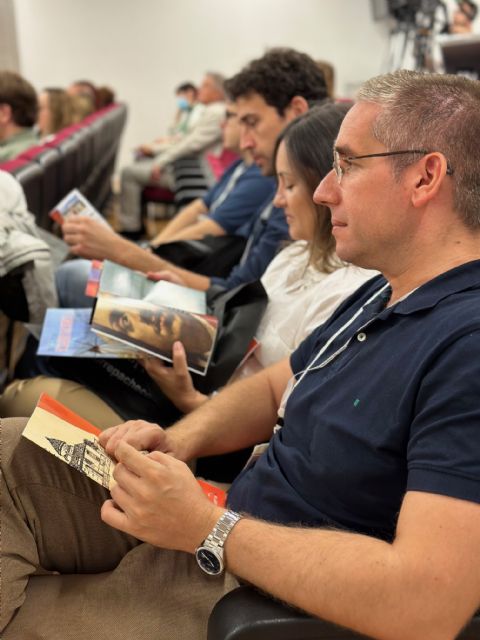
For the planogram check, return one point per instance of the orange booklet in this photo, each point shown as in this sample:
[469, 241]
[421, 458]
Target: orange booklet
[74, 440]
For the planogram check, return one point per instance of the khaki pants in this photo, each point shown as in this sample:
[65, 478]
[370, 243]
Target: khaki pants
[135, 178]
[21, 396]
[69, 576]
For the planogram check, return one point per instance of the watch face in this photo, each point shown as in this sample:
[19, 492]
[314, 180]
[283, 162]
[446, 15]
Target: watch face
[209, 561]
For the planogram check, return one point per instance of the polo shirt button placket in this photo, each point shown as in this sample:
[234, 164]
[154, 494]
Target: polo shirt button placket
[361, 337]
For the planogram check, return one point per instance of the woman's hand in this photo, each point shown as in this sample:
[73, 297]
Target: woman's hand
[166, 275]
[176, 381]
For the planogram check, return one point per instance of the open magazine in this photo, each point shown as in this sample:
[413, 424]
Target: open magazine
[133, 316]
[73, 440]
[150, 316]
[75, 204]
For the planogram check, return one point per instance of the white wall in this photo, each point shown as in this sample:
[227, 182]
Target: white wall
[8, 37]
[144, 49]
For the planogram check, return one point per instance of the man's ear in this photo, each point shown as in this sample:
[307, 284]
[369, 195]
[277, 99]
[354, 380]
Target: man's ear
[5, 113]
[296, 107]
[428, 178]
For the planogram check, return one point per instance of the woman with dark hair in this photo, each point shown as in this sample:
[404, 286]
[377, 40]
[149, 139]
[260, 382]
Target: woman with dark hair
[306, 281]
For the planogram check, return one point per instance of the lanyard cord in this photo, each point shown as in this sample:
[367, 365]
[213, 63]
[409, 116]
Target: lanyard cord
[239, 171]
[342, 329]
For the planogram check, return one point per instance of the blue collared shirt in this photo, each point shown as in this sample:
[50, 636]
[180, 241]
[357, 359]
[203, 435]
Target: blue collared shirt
[243, 199]
[396, 408]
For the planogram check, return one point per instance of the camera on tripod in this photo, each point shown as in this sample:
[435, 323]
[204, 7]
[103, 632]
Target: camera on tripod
[417, 20]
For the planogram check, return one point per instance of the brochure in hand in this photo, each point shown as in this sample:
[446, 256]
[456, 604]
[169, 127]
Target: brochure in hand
[75, 204]
[73, 440]
[150, 316]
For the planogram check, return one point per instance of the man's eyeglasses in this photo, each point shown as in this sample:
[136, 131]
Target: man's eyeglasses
[340, 170]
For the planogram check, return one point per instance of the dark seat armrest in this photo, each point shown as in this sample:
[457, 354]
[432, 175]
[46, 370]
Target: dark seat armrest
[246, 614]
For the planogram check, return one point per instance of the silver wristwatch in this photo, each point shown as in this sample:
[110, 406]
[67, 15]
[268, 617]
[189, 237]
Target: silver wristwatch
[209, 554]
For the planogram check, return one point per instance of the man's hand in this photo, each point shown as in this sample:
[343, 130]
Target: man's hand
[146, 150]
[142, 435]
[158, 500]
[155, 174]
[90, 238]
[176, 381]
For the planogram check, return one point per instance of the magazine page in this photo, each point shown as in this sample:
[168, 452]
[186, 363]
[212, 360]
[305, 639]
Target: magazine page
[153, 329]
[67, 333]
[75, 204]
[73, 440]
[127, 283]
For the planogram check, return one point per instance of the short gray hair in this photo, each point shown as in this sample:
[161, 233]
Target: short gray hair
[437, 113]
[218, 79]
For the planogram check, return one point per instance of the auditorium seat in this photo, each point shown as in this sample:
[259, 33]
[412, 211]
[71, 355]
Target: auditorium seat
[30, 176]
[50, 162]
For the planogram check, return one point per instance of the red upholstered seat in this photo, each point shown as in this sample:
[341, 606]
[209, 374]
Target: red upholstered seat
[157, 194]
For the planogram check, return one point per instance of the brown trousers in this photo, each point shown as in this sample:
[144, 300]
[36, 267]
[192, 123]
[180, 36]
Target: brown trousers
[21, 396]
[65, 575]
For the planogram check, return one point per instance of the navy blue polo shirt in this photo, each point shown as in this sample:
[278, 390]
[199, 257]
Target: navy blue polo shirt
[243, 200]
[394, 407]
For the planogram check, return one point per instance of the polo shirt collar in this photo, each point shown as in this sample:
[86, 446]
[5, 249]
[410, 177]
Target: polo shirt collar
[461, 278]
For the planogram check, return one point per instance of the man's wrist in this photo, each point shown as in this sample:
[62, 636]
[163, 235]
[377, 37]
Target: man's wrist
[192, 402]
[210, 554]
[179, 444]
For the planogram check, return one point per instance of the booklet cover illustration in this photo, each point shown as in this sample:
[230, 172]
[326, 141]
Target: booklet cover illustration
[67, 333]
[73, 440]
[75, 204]
[70, 438]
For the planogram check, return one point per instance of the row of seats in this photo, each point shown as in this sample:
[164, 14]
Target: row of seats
[81, 156]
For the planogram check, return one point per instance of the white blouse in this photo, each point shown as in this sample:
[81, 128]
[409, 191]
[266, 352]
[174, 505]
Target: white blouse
[300, 299]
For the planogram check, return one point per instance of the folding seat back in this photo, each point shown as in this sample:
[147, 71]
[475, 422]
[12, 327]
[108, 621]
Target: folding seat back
[69, 152]
[51, 162]
[30, 176]
[84, 141]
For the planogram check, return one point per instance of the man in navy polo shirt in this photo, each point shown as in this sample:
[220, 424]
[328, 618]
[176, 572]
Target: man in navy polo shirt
[374, 463]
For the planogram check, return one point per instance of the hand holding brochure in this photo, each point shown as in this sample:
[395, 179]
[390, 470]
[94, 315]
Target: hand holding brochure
[75, 204]
[73, 440]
